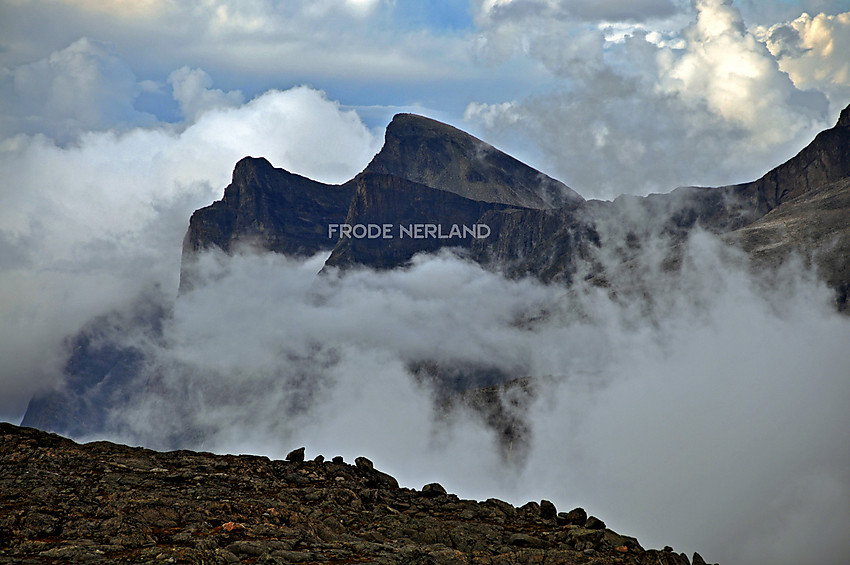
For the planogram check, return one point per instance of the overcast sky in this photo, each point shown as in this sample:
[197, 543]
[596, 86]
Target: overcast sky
[119, 118]
[610, 96]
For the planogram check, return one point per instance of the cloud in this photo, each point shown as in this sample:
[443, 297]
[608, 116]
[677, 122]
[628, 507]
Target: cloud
[811, 49]
[88, 226]
[734, 74]
[362, 6]
[256, 45]
[712, 420]
[119, 8]
[608, 10]
[647, 111]
[85, 86]
[192, 91]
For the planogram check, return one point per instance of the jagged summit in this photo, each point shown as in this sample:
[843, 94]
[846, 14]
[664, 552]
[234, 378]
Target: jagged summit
[844, 118]
[431, 181]
[825, 160]
[443, 157]
[271, 207]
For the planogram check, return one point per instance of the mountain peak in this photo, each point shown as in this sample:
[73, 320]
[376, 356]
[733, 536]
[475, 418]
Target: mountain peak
[844, 118]
[438, 155]
[252, 163]
[405, 121]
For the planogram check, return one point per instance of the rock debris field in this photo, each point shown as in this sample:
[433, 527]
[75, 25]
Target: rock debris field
[62, 502]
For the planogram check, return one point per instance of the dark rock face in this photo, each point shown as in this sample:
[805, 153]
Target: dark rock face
[402, 205]
[272, 208]
[99, 503]
[437, 155]
[424, 169]
[814, 221]
[430, 173]
[551, 245]
[825, 160]
[98, 371]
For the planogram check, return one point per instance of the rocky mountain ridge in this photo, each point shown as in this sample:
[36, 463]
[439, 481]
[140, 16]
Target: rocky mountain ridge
[428, 174]
[62, 502]
[432, 173]
[799, 209]
[443, 157]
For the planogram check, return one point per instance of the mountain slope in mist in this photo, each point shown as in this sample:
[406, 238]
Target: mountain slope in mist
[677, 361]
[431, 173]
[535, 225]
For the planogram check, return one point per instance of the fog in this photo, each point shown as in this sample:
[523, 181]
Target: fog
[87, 225]
[710, 416]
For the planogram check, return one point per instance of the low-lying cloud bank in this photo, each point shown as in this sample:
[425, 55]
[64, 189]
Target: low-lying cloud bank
[712, 419]
[88, 224]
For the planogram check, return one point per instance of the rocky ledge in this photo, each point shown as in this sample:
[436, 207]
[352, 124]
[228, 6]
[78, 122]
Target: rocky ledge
[62, 502]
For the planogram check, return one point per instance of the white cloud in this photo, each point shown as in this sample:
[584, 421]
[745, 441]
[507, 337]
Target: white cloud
[813, 51]
[84, 86]
[646, 112]
[88, 226]
[664, 425]
[191, 88]
[588, 10]
[256, 44]
[727, 68]
[362, 6]
[120, 8]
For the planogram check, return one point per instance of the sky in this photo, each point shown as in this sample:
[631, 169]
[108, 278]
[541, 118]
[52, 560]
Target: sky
[119, 118]
[645, 95]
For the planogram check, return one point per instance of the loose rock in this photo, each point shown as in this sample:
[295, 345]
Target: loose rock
[547, 510]
[575, 517]
[102, 503]
[433, 489]
[364, 463]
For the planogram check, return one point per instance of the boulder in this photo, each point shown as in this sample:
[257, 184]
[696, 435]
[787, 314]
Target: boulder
[296, 455]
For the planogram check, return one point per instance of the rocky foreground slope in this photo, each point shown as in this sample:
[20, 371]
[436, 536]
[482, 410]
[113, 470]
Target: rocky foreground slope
[61, 502]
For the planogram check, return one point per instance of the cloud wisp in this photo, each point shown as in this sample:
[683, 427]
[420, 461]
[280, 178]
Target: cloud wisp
[723, 398]
[87, 225]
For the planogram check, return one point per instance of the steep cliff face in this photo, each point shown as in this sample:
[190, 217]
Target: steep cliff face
[437, 155]
[271, 208]
[825, 160]
[814, 227]
[552, 245]
[405, 218]
[431, 174]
